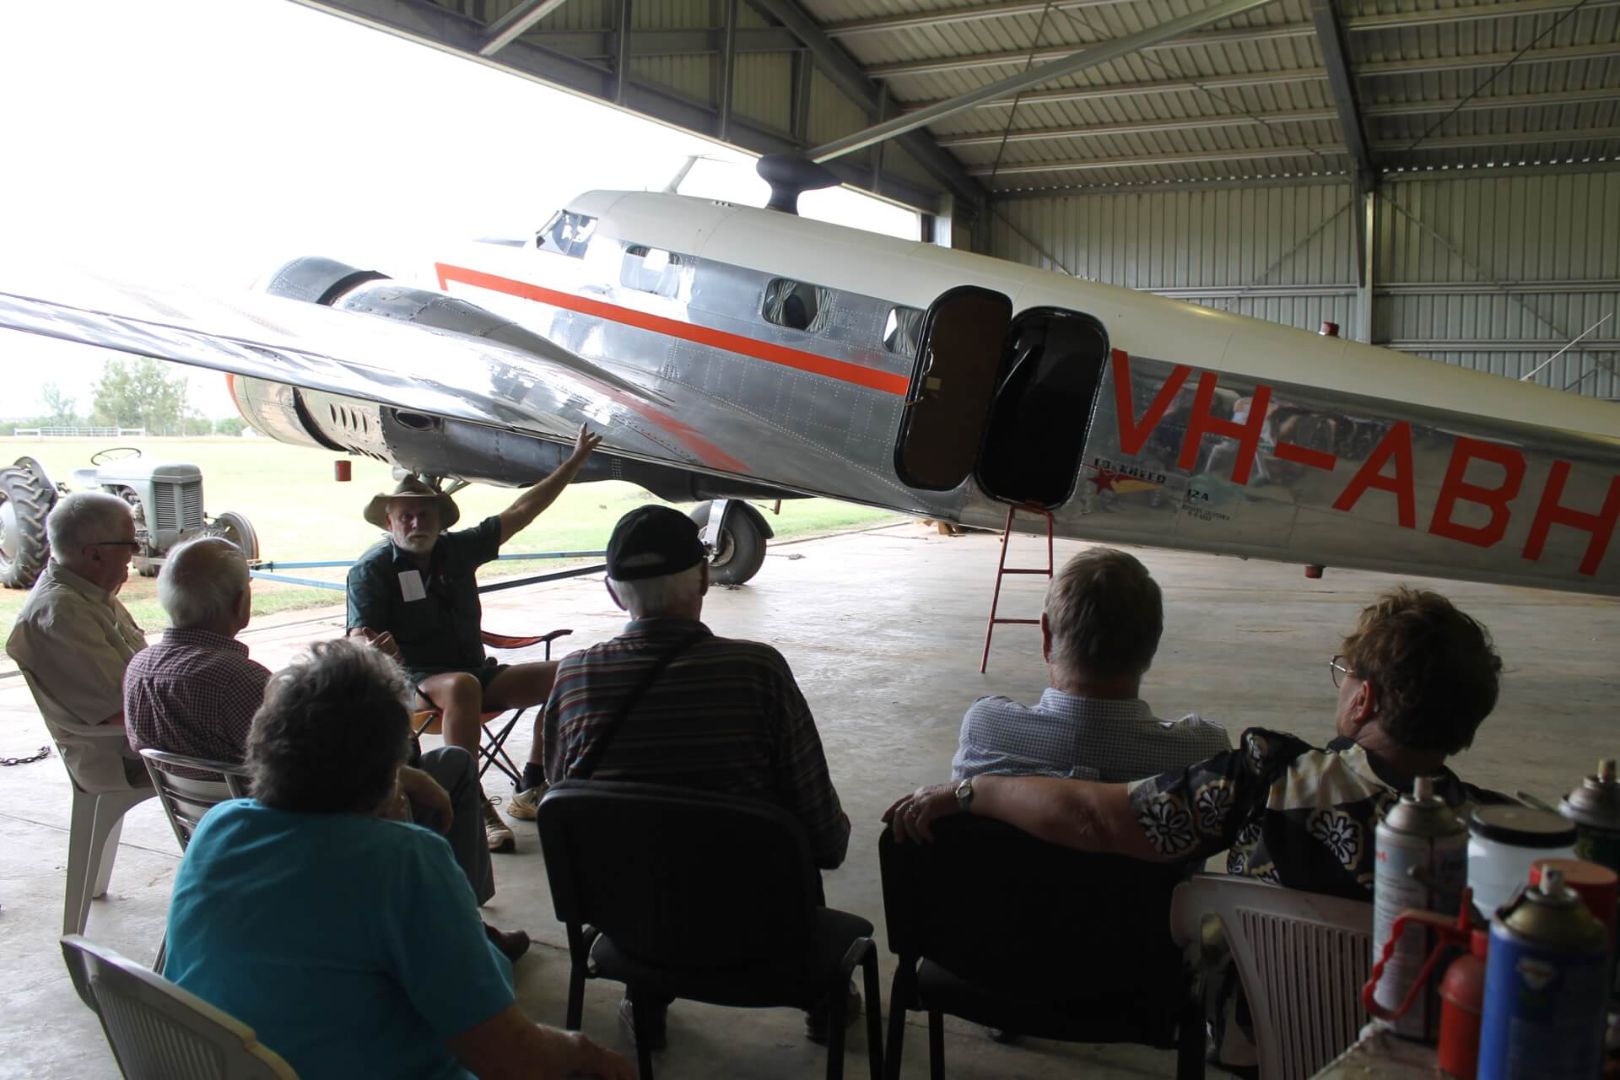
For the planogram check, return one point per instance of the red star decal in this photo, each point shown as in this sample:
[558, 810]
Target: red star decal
[1105, 480]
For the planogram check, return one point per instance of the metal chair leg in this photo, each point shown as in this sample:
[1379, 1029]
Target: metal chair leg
[874, 1014]
[578, 953]
[900, 999]
[936, 1045]
[641, 1021]
[837, 1009]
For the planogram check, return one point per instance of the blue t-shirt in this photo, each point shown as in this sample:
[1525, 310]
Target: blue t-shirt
[351, 945]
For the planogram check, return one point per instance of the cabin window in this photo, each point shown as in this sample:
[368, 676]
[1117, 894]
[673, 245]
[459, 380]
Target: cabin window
[794, 304]
[567, 233]
[901, 329]
[651, 270]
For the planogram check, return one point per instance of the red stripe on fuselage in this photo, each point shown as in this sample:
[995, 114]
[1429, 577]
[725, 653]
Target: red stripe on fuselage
[798, 359]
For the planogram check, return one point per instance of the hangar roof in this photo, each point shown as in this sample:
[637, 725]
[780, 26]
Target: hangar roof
[1280, 90]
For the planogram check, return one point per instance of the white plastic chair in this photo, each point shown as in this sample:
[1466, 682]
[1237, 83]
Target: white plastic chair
[99, 804]
[1302, 958]
[158, 1031]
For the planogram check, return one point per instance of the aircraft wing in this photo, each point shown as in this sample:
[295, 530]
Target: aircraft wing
[545, 392]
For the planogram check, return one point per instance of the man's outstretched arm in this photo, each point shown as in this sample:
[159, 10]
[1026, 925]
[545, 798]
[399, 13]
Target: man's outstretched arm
[1079, 814]
[528, 506]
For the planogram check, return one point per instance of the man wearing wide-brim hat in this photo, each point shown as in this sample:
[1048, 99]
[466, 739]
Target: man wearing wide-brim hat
[415, 595]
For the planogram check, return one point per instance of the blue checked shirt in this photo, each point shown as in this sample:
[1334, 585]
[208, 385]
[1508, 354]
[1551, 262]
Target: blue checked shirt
[1112, 740]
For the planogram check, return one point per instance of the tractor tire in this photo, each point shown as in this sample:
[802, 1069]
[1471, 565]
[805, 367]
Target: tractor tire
[236, 528]
[740, 550]
[25, 499]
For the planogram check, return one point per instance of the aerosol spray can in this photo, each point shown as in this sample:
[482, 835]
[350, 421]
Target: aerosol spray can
[1544, 987]
[1421, 862]
[1594, 807]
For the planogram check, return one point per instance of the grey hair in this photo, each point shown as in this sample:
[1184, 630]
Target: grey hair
[332, 732]
[1106, 615]
[647, 598]
[82, 518]
[201, 581]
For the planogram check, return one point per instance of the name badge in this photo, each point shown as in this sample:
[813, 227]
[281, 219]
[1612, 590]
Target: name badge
[410, 585]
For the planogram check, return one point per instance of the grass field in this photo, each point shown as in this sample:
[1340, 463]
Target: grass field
[302, 514]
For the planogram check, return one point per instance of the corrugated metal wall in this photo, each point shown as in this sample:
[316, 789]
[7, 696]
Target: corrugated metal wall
[1495, 273]
[1498, 273]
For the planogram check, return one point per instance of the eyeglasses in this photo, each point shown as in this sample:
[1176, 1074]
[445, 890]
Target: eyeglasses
[1338, 669]
[133, 545]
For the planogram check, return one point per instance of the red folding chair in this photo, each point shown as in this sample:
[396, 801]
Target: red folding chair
[492, 741]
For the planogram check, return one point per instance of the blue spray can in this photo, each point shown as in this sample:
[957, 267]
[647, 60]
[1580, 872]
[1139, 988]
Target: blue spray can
[1544, 987]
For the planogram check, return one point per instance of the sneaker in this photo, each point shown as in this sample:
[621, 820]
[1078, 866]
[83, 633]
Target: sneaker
[513, 944]
[658, 1033]
[496, 832]
[525, 805]
[817, 1021]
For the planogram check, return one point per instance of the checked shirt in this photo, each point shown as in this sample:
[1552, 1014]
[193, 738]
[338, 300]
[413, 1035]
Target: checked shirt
[193, 693]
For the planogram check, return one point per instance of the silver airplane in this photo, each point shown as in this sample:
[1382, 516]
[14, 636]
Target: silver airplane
[731, 354]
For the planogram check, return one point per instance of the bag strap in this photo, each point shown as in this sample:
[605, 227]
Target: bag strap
[610, 730]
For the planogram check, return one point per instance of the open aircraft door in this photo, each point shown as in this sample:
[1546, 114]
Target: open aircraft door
[959, 359]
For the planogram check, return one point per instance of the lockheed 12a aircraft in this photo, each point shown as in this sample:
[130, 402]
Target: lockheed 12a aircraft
[729, 353]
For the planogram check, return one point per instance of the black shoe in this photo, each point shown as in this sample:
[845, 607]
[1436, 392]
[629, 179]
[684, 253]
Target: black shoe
[512, 945]
[657, 1029]
[817, 1021]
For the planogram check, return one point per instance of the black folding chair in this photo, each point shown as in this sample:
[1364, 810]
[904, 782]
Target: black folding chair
[999, 928]
[493, 735]
[700, 896]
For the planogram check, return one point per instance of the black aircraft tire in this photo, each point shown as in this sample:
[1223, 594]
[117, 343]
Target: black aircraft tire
[740, 551]
[24, 549]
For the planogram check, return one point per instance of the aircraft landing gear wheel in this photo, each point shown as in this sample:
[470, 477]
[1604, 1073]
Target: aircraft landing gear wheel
[24, 501]
[235, 528]
[740, 550]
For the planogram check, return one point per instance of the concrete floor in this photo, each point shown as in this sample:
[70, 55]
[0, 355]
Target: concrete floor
[883, 629]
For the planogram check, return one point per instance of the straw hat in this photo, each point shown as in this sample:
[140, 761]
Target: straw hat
[411, 488]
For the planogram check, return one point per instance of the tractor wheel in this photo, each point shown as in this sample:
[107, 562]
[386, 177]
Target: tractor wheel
[740, 550]
[25, 499]
[236, 528]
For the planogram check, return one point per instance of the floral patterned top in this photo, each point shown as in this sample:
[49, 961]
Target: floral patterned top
[1283, 810]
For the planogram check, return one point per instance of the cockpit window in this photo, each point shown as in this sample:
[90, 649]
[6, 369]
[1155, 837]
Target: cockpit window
[901, 329]
[567, 233]
[652, 270]
[795, 304]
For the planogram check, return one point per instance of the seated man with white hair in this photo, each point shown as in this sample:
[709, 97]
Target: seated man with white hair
[73, 638]
[195, 692]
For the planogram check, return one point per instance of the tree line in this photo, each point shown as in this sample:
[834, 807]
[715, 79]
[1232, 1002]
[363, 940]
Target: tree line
[132, 393]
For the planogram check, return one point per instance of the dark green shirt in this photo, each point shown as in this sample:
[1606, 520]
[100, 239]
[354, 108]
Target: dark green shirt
[440, 631]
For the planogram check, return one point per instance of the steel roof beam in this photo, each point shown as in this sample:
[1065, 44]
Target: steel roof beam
[509, 27]
[1034, 76]
[848, 76]
[1015, 57]
[1132, 89]
[1549, 99]
[1248, 153]
[1141, 127]
[993, 136]
[692, 41]
[1557, 55]
[1342, 84]
[924, 20]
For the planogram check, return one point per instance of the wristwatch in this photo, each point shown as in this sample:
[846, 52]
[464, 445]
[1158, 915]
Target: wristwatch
[964, 795]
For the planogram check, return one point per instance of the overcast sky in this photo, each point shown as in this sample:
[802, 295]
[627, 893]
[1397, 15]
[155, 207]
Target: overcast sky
[204, 142]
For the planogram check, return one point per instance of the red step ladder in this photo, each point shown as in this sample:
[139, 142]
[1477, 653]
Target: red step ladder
[1002, 570]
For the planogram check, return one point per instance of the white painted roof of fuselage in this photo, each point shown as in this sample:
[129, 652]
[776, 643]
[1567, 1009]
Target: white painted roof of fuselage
[914, 274]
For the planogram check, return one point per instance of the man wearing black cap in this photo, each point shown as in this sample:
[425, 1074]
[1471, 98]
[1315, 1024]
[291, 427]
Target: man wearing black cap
[415, 596]
[667, 702]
